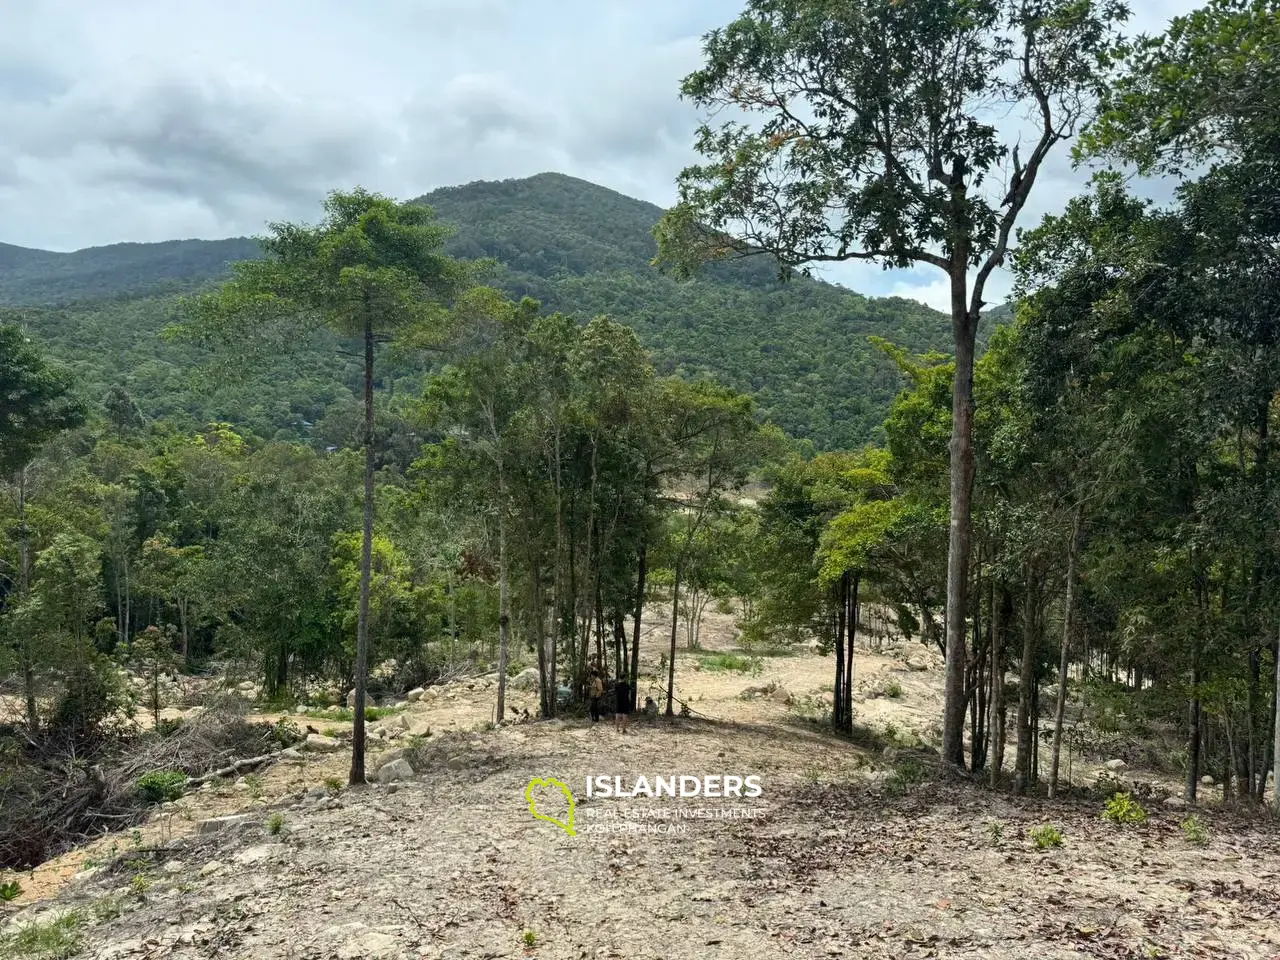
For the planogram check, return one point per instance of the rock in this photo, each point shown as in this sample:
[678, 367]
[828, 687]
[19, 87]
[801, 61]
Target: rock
[86, 874]
[1114, 766]
[391, 756]
[210, 868]
[1175, 803]
[1207, 780]
[526, 679]
[456, 763]
[247, 687]
[781, 695]
[351, 700]
[218, 824]
[370, 945]
[399, 721]
[414, 695]
[319, 743]
[553, 725]
[395, 770]
[292, 755]
[433, 693]
[174, 867]
[917, 666]
[257, 854]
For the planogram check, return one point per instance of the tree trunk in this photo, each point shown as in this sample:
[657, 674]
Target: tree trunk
[1026, 683]
[182, 622]
[504, 612]
[851, 618]
[998, 621]
[839, 708]
[366, 562]
[1193, 722]
[964, 328]
[642, 570]
[24, 584]
[1068, 628]
[1275, 748]
[671, 667]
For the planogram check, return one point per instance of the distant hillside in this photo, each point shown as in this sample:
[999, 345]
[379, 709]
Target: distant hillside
[800, 348]
[44, 277]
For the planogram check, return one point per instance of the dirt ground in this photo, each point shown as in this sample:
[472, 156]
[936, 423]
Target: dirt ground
[843, 853]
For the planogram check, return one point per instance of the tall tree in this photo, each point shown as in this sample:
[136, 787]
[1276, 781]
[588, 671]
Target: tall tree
[37, 405]
[878, 142]
[372, 269]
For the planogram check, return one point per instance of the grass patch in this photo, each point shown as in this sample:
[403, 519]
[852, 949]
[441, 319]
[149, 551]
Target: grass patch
[730, 663]
[344, 715]
[52, 940]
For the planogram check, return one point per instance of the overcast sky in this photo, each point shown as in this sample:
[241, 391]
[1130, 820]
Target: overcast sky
[142, 120]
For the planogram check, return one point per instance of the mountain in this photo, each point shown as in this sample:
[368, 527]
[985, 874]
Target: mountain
[799, 347]
[44, 277]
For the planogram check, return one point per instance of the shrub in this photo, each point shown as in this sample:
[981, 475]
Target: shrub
[731, 662]
[275, 823]
[1195, 831]
[1123, 809]
[893, 689]
[1046, 836]
[995, 829]
[10, 891]
[530, 938]
[161, 785]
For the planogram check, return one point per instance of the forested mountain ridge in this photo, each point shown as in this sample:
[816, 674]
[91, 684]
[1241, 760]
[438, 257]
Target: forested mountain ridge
[45, 277]
[800, 348]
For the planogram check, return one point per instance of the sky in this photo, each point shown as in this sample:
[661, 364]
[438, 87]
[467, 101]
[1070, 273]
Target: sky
[142, 120]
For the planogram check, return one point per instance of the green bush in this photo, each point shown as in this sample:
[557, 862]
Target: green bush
[1046, 836]
[275, 824]
[731, 662]
[161, 785]
[893, 689]
[10, 891]
[1195, 831]
[1123, 809]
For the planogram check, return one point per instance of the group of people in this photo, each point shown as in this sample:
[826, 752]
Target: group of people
[621, 700]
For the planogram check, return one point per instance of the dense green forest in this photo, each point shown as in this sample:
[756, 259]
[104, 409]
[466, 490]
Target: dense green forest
[799, 348]
[504, 484]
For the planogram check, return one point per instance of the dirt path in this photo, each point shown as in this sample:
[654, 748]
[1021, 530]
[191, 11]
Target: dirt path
[841, 855]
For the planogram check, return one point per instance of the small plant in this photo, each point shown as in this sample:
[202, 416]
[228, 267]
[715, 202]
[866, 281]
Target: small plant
[995, 830]
[893, 689]
[333, 784]
[905, 776]
[286, 733]
[530, 938]
[1195, 831]
[1123, 809]
[275, 824]
[254, 783]
[1046, 836]
[139, 886]
[159, 786]
[53, 940]
[10, 891]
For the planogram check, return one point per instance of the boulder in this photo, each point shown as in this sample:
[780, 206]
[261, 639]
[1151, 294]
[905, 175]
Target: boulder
[210, 868]
[414, 695]
[351, 700]
[1175, 803]
[219, 824]
[257, 854]
[1207, 780]
[391, 756]
[247, 687]
[1114, 766]
[395, 770]
[781, 695]
[319, 743]
[525, 680]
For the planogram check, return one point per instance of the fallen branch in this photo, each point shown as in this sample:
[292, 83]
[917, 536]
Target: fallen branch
[238, 767]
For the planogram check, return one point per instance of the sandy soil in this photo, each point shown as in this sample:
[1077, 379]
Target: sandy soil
[839, 856]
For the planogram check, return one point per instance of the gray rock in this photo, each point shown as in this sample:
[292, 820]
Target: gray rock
[395, 770]
[1114, 766]
[351, 700]
[525, 680]
[174, 867]
[1175, 803]
[781, 695]
[210, 868]
[219, 824]
[414, 695]
[456, 763]
[1207, 780]
[319, 743]
[257, 854]
[391, 756]
[292, 755]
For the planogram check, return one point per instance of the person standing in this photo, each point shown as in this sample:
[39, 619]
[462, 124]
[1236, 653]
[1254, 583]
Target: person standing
[621, 705]
[595, 690]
